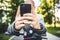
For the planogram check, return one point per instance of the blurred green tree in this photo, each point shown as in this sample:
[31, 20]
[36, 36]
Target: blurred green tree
[46, 9]
[8, 10]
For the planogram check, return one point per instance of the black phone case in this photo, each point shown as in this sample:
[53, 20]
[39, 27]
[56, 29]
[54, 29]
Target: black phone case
[25, 8]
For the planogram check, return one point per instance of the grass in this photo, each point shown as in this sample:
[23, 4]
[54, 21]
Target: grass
[54, 31]
[4, 37]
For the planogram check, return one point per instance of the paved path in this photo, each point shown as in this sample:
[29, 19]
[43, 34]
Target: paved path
[52, 37]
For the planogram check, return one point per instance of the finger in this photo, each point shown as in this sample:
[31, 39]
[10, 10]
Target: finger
[19, 26]
[18, 19]
[33, 11]
[18, 11]
[19, 22]
[27, 22]
[27, 18]
[28, 14]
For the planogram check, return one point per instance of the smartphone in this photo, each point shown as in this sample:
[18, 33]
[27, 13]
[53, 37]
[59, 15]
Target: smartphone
[25, 8]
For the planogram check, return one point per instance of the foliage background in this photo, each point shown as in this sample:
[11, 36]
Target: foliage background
[8, 10]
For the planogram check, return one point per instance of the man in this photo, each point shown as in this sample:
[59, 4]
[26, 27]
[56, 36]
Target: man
[31, 30]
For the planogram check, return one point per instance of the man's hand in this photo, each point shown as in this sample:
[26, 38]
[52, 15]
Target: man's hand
[31, 20]
[27, 19]
[19, 23]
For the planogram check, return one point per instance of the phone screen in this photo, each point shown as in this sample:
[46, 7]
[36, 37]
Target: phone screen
[25, 8]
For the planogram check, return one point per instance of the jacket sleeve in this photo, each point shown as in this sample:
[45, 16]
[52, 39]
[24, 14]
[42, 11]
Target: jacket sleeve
[40, 31]
[11, 30]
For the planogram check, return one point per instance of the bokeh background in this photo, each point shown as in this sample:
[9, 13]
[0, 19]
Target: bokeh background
[50, 9]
